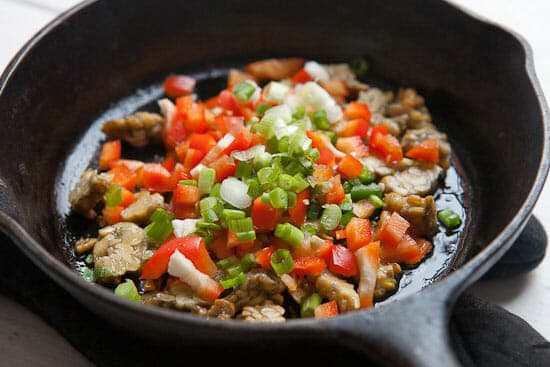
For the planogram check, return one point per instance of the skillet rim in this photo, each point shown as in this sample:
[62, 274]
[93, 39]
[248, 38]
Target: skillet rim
[455, 281]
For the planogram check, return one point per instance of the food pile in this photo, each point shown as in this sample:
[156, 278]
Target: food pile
[297, 191]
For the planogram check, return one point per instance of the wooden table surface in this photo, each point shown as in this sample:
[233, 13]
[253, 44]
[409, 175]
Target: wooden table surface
[26, 340]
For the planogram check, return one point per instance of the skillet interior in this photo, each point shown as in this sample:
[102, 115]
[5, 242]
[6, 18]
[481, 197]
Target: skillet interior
[472, 75]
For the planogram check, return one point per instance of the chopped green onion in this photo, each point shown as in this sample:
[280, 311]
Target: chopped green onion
[376, 201]
[449, 218]
[262, 160]
[283, 144]
[101, 272]
[347, 185]
[361, 192]
[286, 181]
[188, 182]
[331, 217]
[128, 290]
[161, 225]
[254, 189]
[278, 198]
[215, 192]
[240, 225]
[261, 108]
[88, 274]
[227, 262]
[290, 234]
[281, 261]
[246, 236]
[235, 281]
[309, 228]
[206, 235]
[294, 167]
[346, 205]
[267, 175]
[298, 143]
[207, 178]
[366, 176]
[247, 262]
[244, 91]
[320, 120]
[313, 210]
[300, 184]
[307, 308]
[231, 214]
[233, 270]
[276, 92]
[208, 225]
[210, 209]
[244, 169]
[313, 154]
[346, 217]
[113, 196]
[299, 113]
[359, 66]
[89, 260]
[292, 198]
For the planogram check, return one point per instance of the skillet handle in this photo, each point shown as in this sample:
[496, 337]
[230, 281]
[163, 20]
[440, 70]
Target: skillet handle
[409, 332]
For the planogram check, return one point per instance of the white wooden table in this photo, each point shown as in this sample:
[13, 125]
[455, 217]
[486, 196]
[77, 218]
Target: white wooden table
[26, 340]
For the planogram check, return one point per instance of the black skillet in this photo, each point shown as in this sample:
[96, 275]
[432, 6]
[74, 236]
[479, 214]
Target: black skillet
[478, 80]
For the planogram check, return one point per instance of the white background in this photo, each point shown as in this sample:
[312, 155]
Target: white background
[25, 338]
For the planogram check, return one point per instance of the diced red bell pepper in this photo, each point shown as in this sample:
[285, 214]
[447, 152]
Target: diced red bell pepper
[194, 119]
[264, 216]
[358, 233]
[112, 215]
[352, 144]
[156, 178]
[169, 162]
[175, 133]
[340, 234]
[123, 176]
[322, 172]
[202, 142]
[350, 167]
[242, 142]
[179, 173]
[342, 261]
[263, 256]
[110, 152]
[219, 246]
[192, 158]
[227, 101]
[178, 85]
[326, 157]
[318, 140]
[427, 150]
[336, 195]
[224, 167]
[128, 197]
[357, 127]
[192, 247]
[308, 265]
[326, 310]
[387, 146]
[301, 77]
[298, 212]
[233, 241]
[230, 124]
[186, 195]
[357, 110]
[407, 251]
[393, 230]
[183, 211]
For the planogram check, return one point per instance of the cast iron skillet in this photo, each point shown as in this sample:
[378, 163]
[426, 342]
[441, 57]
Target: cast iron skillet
[477, 78]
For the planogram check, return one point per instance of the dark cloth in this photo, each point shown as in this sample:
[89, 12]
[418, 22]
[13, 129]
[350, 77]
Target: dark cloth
[484, 334]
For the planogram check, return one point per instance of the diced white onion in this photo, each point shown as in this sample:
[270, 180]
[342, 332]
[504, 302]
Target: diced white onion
[281, 112]
[334, 113]
[316, 71]
[276, 92]
[249, 154]
[167, 108]
[225, 141]
[196, 170]
[184, 227]
[181, 267]
[235, 192]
